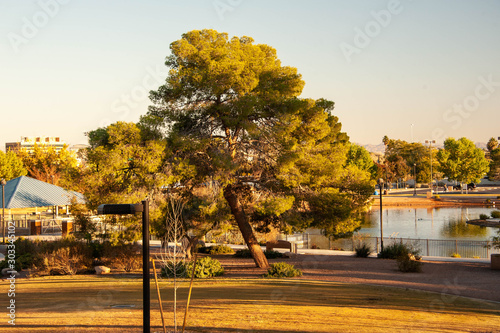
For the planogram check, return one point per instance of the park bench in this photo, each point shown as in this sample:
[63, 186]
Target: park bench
[280, 244]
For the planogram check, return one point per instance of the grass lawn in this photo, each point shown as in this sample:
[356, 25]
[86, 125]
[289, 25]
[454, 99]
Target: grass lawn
[84, 304]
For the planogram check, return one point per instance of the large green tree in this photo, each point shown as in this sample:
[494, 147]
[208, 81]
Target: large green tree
[121, 167]
[232, 116]
[413, 153]
[461, 160]
[11, 166]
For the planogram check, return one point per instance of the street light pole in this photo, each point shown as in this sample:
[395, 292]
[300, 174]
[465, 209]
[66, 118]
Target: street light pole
[430, 142]
[146, 294]
[125, 209]
[414, 179]
[3, 183]
[381, 188]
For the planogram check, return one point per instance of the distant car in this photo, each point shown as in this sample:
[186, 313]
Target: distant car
[470, 186]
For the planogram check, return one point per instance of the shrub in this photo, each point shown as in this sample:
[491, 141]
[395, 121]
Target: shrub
[66, 261]
[437, 197]
[281, 270]
[271, 254]
[456, 255]
[71, 256]
[483, 217]
[171, 267]
[396, 250]
[203, 249]
[495, 214]
[124, 256]
[363, 250]
[220, 249]
[205, 268]
[243, 253]
[409, 264]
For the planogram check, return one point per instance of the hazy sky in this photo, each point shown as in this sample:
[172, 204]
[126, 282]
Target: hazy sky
[71, 66]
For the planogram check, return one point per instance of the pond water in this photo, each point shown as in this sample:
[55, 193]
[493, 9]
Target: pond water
[428, 223]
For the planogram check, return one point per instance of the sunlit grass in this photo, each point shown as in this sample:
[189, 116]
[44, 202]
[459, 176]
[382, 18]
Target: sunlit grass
[84, 304]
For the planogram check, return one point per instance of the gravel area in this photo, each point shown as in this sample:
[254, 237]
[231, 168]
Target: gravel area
[451, 279]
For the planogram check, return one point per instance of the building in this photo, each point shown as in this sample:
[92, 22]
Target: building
[28, 143]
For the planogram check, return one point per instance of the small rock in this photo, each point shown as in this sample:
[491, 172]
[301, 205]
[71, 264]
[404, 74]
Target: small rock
[102, 270]
[290, 255]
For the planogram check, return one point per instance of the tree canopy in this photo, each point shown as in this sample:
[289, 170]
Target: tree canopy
[11, 166]
[461, 160]
[49, 165]
[121, 167]
[231, 114]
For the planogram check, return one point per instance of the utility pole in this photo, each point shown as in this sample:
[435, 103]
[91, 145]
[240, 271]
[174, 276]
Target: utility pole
[430, 142]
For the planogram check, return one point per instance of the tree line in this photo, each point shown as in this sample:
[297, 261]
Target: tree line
[458, 160]
[229, 135]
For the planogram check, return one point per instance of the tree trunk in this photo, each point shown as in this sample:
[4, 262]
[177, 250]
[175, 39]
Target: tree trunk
[245, 227]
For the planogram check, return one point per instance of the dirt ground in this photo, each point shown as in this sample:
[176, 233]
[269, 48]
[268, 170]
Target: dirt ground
[450, 279]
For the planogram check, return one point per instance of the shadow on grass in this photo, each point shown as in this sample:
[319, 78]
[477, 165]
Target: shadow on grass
[73, 295]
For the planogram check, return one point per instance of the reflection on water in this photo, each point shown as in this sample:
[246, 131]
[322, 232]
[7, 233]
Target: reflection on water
[428, 223]
[460, 229]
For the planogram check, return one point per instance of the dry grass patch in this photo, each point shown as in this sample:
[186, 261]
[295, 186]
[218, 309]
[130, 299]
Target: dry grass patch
[84, 304]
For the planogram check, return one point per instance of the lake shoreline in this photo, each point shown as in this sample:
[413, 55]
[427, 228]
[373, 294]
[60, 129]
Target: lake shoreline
[422, 202]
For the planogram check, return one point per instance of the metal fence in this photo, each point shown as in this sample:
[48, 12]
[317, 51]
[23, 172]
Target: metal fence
[427, 247]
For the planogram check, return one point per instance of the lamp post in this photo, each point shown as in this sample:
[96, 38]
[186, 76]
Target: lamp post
[430, 142]
[414, 179]
[124, 209]
[381, 187]
[3, 183]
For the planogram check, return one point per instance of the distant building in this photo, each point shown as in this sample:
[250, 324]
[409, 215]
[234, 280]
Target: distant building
[28, 143]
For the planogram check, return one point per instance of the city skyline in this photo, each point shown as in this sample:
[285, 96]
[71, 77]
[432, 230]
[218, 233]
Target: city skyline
[409, 70]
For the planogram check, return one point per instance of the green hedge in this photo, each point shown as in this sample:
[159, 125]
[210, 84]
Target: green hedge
[282, 270]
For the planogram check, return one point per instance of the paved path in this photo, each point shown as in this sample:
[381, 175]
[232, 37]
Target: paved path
[451, 278]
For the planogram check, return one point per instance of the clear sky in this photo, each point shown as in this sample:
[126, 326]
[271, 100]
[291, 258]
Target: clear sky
[421, 69]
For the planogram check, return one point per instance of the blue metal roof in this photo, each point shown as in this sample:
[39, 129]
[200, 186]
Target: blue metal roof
[23, 192]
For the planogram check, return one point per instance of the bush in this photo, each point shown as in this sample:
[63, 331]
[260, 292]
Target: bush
[437, 197]
[456, 255]
[66, 261]
[483, 217]
[272, 254]
[171, 267]
[205, 268]
[409, 264]
[220, 249]
[124, 256]
[363, 250]
[203, 249]
[396, 250]
[495, 214]
[71, 256]
[281, 270]
[245, 253]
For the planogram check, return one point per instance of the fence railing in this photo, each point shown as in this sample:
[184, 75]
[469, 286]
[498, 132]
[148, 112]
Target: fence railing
[427, 247]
